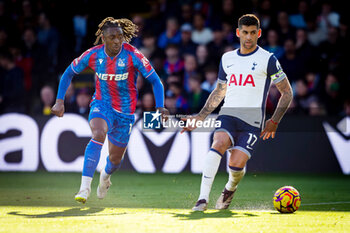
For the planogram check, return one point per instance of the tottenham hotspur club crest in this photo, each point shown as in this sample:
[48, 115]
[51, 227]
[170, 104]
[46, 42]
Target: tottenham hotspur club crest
[254, 64]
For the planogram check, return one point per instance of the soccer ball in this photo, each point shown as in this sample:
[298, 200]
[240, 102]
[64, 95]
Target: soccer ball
[286, 199]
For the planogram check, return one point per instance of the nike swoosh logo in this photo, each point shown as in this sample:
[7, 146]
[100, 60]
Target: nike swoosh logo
[340, 146]
[207, 177]
[230, 65]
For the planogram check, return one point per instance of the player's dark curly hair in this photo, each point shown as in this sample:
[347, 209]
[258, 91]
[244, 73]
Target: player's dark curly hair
[248, 20]
[128, 27]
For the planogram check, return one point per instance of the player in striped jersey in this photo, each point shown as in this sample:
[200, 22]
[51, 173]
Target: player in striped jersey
[116, 64]
[243, 80]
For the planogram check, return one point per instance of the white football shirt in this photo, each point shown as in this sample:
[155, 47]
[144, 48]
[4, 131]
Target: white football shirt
[248, 78]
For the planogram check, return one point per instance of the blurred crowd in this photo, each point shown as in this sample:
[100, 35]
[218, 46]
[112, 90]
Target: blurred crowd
[184, 41]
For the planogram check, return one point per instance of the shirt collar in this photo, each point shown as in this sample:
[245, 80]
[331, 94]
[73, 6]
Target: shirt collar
[240, 54]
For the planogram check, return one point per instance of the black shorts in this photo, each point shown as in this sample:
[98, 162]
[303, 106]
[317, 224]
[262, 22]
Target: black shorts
[243, 135]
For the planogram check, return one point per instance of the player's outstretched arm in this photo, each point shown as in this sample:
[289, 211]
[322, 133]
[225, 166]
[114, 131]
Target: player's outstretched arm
[213, 101]
[158, 91]
[286, 98]
[58, 108]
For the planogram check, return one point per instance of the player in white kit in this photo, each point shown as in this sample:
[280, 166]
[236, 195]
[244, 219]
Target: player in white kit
[244, 80]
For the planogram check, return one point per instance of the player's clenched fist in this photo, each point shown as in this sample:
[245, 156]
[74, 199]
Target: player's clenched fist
[58, 108]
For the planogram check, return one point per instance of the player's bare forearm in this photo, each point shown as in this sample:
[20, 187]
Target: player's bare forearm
[282, 106]
[284, 101]
[214, 99]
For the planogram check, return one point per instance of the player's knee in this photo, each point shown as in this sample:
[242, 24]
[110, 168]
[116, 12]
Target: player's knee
[221, 145]
[238, 159]
[221, 140]
[99, 135]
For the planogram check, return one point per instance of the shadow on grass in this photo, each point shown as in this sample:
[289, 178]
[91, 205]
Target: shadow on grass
[194, 215]
[80, 211]
[278, 213]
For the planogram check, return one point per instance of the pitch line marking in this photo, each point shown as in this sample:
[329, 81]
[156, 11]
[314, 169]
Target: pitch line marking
[328, 203]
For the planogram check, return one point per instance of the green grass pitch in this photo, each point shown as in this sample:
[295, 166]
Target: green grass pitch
[44, 202]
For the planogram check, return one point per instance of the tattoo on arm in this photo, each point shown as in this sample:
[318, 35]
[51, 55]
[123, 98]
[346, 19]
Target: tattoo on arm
[214, 99]
[284, 101]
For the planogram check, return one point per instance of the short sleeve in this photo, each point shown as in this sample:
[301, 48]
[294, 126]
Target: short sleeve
[80, 63]
[222, 74]
[274, 70]
[142, 64]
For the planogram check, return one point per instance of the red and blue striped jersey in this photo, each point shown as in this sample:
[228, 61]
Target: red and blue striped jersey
[115, 77]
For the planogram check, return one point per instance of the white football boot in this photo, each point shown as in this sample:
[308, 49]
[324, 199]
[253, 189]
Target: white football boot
[82, 195]
[103, 186]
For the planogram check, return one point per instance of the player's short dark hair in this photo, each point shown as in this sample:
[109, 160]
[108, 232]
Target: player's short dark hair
[248, 20]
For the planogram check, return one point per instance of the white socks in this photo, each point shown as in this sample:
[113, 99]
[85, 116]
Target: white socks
[104, 175]
[85, 183]
[235, 176]
[211, 165]
[86, 180]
